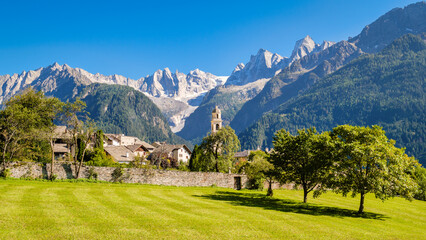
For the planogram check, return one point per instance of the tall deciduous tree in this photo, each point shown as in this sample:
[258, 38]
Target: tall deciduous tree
[195, 162]
[257, 169]
[99, 140]
[27, 117]
[304, 159]
[86, 137]
[370, 163]
[70, 117]
[218, 150]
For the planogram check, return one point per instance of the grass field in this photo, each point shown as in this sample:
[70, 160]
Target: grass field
[63, 210]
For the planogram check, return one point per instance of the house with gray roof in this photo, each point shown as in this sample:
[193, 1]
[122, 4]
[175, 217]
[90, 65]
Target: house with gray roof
[179, 152]
[120, 154]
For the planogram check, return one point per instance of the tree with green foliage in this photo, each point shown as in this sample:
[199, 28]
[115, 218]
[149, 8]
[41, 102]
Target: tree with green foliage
[99, 139]
[194, 161]
[200, 162]
[420, 178]
[48, 132]
[27, 120]
[139, 162]
[98, 157]
[257, 169]
[304, 159]
[70, 117]
[368, 162]
[218, 150]
[86, 137]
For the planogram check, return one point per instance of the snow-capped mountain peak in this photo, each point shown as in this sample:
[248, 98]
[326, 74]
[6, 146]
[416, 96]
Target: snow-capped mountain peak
[262, 65]
[239, 67]
[324, 45]
[303, 47]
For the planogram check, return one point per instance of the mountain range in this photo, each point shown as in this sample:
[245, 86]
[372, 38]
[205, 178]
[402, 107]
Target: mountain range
[260, 96]
[308, 65]
[181, 91]
[385, 89]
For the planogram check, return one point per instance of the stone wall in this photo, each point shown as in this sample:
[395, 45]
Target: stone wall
[129, 175]
[277, 185]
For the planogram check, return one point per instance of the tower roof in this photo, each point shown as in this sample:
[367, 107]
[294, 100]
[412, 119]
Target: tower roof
[216, 110]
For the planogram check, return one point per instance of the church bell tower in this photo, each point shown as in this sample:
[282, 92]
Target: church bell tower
[216, 122]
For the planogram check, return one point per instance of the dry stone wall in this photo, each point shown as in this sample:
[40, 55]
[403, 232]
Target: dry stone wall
[130, 175]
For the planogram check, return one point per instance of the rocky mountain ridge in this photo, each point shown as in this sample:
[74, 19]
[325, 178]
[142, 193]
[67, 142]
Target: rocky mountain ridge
[307, 65]
[177, 88]
[392, 25]
[266, 64]
[245, 83]
[386, 89]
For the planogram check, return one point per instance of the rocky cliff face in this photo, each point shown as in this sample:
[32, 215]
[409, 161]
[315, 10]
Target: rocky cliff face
[262, 65]
[266, 64]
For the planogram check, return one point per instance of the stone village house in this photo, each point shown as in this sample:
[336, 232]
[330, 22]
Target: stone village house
[61, 142]
[124, 149]
[179, 152]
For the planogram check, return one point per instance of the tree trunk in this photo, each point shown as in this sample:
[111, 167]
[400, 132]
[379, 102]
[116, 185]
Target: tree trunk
[4, 155]
[305, 193]
[361, 203]
[53, 158]
[217, 166]
[81, 162]
[270, 192]
[75, 158]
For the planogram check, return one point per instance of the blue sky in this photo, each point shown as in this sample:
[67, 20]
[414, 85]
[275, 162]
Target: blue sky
[135, 38]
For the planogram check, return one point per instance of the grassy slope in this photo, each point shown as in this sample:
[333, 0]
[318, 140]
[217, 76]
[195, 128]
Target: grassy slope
[44, 210]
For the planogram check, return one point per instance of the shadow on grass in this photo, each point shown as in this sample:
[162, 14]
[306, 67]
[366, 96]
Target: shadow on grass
[286, 205]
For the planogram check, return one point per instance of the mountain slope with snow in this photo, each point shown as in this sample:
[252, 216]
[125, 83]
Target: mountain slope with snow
[262, 65]
[180, 90]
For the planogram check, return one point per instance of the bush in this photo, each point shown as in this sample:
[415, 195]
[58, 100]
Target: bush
[256, 170]
[168, 162]
[139, 162]
[5, 173]
[117, 174]
[256, 183]
[183, 167]
[420, 177]
[97, 157]
[53, 177]
[92, 174]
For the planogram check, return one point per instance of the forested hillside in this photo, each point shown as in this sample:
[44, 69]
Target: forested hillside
[122, 109]
[386, 89]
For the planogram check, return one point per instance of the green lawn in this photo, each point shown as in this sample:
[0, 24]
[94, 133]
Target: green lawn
[63, 210]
